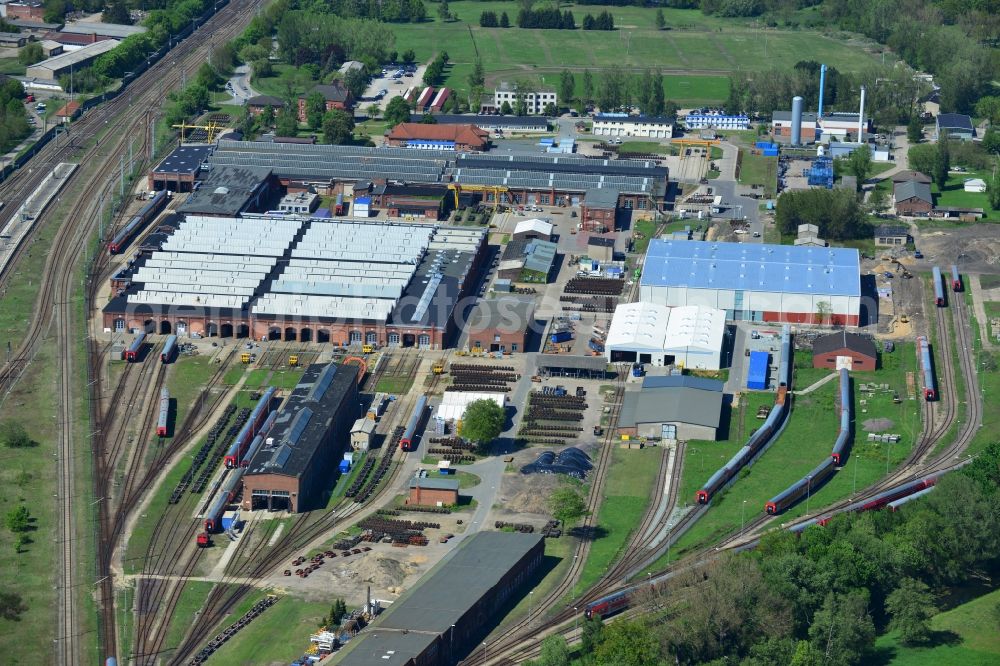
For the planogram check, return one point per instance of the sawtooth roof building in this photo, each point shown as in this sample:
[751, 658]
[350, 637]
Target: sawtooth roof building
[688, 336]
[772, 283]
[343, 281]
[294, 469]
[528, 179]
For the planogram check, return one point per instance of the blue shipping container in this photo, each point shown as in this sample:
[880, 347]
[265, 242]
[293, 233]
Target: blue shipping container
[770, 152]
[757, 375]
[561, 336]
[345, 466]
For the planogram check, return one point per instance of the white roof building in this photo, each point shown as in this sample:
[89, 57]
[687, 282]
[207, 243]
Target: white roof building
[689, 336]
[534, 228]
[975, 185]
[454, 403]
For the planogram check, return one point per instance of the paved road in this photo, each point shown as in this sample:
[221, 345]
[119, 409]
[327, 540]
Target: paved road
[740, 206]
[239, 85]
[736, 370]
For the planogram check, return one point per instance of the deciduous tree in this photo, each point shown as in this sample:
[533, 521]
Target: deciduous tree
[555, 652]
[567, 504]
[627, 643]
[911, 607]
[942, 162]
[859, 163]
[14, 436]
[914, 130]
[338, 127]
[30, 54]
[567, 87]
[661, 21]
[396, 111]
[842, 630]
[18, 519]
[482, 423]
[993, 190]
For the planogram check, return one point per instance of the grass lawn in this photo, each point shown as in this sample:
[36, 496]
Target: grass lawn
[234, 375]
[11, 67]
[807, 438]
[647, 228]
[759, 170]
[966, 636]
[396, 385]
[192, 598]
[954, 194]
[989, 281]
[280, 634]
[256, 378]
[695, 41]
[467, 480]
[630, 481]
[989, 379]
[642, 147]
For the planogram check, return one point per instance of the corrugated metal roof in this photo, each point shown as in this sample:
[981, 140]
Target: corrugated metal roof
[750, 267]
[671, 405]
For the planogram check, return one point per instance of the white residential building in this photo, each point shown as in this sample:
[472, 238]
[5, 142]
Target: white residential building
[534, 100]
[653, 127]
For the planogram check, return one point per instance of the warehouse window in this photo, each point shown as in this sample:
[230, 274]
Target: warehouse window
[394, 338]
[355, 338]
[424, 341]
[513, 346]
[371, 337]
[642, 204]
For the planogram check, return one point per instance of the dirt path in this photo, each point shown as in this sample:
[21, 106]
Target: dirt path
[980, 310]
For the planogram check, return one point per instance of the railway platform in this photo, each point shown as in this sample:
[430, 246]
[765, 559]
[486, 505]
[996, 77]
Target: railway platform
[22, 221]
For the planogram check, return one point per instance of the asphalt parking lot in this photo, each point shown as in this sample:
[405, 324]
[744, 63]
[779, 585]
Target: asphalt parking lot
[392, 86]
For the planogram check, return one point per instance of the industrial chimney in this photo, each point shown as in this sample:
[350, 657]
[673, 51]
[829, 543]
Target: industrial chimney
[861, 118]
[796, 120]
[822, 85]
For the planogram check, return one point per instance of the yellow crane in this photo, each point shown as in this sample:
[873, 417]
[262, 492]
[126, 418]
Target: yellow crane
[497, 190]
[212, 129]
[707, 144]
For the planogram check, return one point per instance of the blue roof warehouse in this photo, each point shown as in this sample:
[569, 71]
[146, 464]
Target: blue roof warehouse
[772, 283]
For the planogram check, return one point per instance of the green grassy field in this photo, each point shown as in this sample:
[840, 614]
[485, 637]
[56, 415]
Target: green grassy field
[967, 635]
[807, 438]
[642, 147]
[560, 549]
[954, 194]
[191, 600]
[11, 67]
[291, 619]
[396, 385]
[696, 48]
[988, 375]
[630, 481]
[759, 170]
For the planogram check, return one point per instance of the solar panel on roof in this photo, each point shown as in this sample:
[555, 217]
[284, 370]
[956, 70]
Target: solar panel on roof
[299, 424]
[323, 383]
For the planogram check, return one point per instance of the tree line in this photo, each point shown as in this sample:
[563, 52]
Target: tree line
[892, 93]
[490, 20]
[14, 124]
[546, 19]
[822, 597]
[603, 21]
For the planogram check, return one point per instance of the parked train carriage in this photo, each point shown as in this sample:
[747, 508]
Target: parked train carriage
[927, 368]
[846, 409]
[407, 441]
[259, 440]
[608, 605]
[137, 222]
[227, 492]
[237, 450]
[162, 421]
[759, 438]
[895, 504]
[134, 350]
[801, 488]
[883, 498]
[169, 350]
[938, 288]
[956, 279]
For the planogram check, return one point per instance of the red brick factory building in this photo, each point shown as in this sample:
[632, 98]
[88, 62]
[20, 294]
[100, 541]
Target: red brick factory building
[295, 469]
[344, 282]
[859, 348]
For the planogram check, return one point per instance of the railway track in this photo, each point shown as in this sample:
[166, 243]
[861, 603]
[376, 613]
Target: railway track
[262, 559]
[923, 459]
